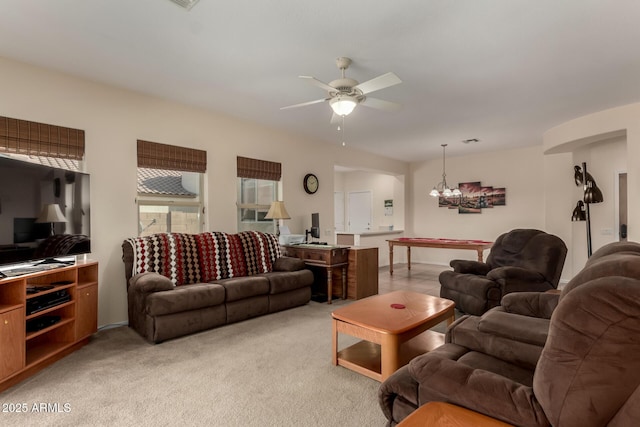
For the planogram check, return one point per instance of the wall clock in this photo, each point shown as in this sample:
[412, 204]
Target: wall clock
[310, 183]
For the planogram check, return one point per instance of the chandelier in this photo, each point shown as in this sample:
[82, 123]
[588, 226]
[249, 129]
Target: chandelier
[442, 189]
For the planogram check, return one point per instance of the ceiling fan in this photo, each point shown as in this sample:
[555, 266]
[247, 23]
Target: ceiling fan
[345, 94]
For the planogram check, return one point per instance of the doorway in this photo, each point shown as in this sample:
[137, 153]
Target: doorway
[622, 206]
[360, 212]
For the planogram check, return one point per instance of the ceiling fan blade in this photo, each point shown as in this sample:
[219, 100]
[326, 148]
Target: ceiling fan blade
[377, 83]
[380, 104]
[317, 101]
[319, 83]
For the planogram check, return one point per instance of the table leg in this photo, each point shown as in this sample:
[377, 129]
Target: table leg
[344, 282]
[334, 342]
[480, 255]
[408, 257]
[390, 258]
[329, 284]
[451, 319]
[389, 355]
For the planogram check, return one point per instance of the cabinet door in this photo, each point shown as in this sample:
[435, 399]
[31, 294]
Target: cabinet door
[11, 342]
[87, 311]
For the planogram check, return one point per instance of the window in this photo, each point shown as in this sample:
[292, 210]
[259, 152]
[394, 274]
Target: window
[254, 199]
[170, 182]
[258, 186]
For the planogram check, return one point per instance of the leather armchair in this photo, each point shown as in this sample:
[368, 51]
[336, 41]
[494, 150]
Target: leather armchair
[522, 260]
[501, 352]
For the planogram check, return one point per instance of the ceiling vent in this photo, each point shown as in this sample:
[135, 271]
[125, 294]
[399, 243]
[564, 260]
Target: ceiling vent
[187, 4]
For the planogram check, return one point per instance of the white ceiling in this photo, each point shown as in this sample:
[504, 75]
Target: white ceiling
[503, 71]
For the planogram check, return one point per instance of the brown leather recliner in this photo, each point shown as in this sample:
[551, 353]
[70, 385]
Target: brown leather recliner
[521, 260]
[516, 365]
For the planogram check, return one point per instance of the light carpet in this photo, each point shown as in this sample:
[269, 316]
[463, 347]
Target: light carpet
[274, 370]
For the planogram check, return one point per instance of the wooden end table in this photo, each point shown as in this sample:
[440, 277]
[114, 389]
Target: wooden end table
[391, 336]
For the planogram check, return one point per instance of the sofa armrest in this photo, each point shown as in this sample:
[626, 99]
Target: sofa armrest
[469, 267]
[479, 390]
[286, 263]
[532, 304]
[150, 282]
[515, 273]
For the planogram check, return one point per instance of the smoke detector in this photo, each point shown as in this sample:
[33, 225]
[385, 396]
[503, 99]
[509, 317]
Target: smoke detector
[187, 4]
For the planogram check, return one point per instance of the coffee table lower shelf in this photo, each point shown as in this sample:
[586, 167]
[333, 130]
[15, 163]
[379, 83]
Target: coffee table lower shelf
[365, 358]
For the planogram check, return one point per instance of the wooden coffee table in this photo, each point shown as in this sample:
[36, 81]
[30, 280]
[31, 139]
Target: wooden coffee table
[391, 336]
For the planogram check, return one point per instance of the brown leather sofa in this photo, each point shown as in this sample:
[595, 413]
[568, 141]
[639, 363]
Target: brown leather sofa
[179, 284]
[540, 359]
[521, 260]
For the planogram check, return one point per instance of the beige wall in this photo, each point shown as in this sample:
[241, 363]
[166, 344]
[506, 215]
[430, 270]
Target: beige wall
[114, 119]
[382, 187]
[518, 170]
[609, 142]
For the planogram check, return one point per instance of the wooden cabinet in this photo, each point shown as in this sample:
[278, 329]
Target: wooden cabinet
[87, 307]
[33, 333]
[11, 333]
[362, 273]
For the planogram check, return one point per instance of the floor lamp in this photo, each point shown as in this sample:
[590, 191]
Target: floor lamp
[592, 194]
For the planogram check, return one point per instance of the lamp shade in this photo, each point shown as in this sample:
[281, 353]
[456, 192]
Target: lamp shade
[343, 105]
[579, 213]
[277, 211]
[51, 213]
[592, 193]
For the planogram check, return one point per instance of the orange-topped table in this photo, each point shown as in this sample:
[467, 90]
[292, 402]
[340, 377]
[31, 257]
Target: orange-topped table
[394, 329]
[426, 242]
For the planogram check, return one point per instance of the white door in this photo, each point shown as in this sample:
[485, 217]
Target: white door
[360, 217]
[338, 210]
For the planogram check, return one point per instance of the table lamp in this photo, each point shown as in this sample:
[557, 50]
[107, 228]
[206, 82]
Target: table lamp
[277, 211]
[51, 213]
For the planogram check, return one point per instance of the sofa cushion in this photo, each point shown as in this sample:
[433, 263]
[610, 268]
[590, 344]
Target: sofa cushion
[260, 251]
[466, 332]
[287, 263]
[221, 256]
[238, 288]
[532, 330]
[174, 255]
[284, 281]
[184, 298]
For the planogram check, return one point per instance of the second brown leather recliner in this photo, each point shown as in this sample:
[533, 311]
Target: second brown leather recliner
[521, 260]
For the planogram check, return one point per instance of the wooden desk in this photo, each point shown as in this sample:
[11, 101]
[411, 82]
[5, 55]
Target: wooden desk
[476, 245]
[325, 256]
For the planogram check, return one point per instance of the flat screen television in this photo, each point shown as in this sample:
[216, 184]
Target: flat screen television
[44, 212]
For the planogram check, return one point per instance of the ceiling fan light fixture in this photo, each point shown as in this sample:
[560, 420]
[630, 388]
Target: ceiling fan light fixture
[343, 105]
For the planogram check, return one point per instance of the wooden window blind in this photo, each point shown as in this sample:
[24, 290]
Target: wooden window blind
[163, 156]
[258, 169]
[39, 139]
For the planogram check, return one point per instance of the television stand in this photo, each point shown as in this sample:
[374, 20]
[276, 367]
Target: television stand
[55, 261]
[23, 351]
